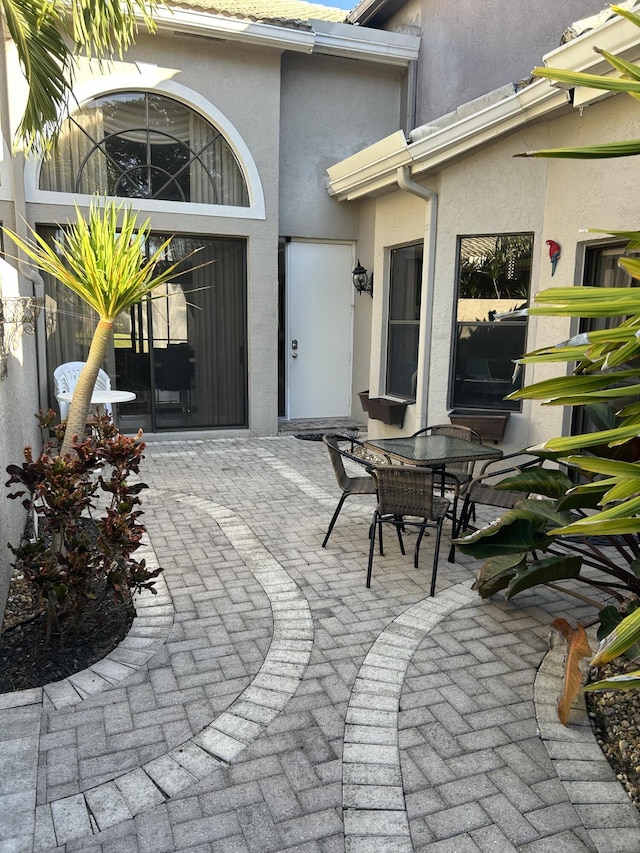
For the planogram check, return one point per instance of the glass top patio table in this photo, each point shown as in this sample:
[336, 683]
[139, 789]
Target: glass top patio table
[432, 450]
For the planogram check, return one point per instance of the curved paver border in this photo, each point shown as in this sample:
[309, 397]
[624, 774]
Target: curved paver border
[149, 631]
[374, 810]
[278, 679]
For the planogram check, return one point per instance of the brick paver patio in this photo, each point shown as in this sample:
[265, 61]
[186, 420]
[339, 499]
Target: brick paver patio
[265, 700]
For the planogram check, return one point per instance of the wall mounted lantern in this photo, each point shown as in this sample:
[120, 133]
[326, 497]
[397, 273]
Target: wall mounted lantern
[362, 281]
[18, 314]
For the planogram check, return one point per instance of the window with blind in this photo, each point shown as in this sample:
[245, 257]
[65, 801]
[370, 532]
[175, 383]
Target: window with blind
[147, 146]
[405, 288]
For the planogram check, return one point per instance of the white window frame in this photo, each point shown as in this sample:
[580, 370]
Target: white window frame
[149, 80]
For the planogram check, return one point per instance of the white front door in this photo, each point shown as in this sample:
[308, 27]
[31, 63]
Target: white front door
[319, 329]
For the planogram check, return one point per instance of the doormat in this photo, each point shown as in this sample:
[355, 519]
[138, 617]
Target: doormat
[310, 436]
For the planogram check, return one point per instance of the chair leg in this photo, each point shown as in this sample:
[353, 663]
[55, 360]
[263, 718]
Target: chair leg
[399, 528]
[459, 526]
[416, 550]
[334, 519]
[372, 544]
[434, 571]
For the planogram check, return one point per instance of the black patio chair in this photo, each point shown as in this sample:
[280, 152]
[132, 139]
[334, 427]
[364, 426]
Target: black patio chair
[406, 498]
[350, 485]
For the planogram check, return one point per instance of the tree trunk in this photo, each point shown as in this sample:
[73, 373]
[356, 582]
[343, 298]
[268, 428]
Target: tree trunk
[81, 402]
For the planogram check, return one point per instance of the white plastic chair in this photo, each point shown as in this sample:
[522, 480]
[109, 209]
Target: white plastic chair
[65, 377]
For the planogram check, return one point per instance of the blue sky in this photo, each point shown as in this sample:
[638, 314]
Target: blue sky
[338, 4]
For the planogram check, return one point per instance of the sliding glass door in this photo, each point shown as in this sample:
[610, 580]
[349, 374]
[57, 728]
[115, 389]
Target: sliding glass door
[182, 352]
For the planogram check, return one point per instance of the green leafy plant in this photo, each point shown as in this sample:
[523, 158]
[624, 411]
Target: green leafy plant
[624, 639]
[85, 512]
[41, 31]
[524, 548]
[606, 503]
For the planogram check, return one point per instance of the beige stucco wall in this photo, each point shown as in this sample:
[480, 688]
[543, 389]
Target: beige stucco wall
[19, 388]
[492, 192]
[18, 428]
[330, 108]
[244, 85]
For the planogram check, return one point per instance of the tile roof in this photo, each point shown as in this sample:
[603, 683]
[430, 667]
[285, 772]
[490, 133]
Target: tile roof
[282, 12]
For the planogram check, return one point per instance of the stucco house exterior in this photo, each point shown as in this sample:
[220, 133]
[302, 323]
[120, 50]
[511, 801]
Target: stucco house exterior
[246, 129]
[455, 228]
[218, 128]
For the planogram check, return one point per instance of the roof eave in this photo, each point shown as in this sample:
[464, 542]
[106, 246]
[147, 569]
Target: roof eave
[206, 24]
[617, 36]
[385, 47]
[375, 174]
[322, 37]
[535, 101]
[373, 170]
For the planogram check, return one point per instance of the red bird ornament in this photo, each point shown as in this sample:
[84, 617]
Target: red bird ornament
[554, 254]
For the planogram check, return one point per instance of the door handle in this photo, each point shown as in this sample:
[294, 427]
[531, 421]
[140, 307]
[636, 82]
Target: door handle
[294, 348]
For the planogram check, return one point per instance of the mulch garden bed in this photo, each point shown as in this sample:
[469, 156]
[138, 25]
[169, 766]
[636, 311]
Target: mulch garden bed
[25, 658]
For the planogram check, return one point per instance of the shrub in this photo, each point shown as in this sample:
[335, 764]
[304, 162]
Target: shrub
[85, 521]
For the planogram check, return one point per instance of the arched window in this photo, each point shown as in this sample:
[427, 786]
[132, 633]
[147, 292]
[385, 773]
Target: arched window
[147, 146]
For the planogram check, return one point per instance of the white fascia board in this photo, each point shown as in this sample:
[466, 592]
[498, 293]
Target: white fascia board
[204, 24]
[370, 170]
[537, 99]
[323, 37]
[352, 42]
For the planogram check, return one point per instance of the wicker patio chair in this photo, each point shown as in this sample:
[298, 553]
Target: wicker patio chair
[406, 497]
[350, 485]
[457, 475]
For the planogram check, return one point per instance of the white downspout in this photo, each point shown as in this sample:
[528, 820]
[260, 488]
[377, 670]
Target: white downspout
[406, 183]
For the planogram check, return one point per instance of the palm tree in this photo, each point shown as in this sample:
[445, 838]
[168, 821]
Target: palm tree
[103, 260]
[47, 34]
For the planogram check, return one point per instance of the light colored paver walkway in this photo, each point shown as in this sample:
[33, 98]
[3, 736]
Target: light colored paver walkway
[266, 700]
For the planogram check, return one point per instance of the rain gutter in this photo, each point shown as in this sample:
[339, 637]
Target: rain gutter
[373, 170]
[617, 36]
[313, 36]
[406, 183]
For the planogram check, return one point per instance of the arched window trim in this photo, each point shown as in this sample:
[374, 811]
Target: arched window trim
[147, 81]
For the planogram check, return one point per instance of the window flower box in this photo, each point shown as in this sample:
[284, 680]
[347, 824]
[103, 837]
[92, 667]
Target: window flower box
[386, 410]
[364, 400]
[490, 425]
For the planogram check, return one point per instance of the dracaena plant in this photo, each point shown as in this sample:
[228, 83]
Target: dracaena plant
[103, 260]
[86, 528]
[604, 371]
